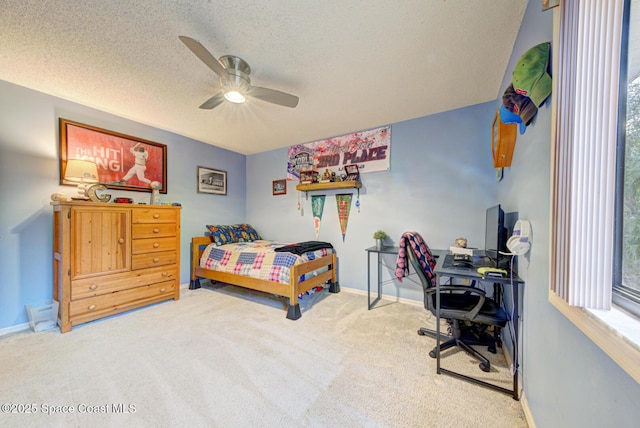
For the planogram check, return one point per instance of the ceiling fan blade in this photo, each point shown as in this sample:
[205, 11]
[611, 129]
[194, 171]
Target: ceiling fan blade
[273, 96]
[204, 55]
[212, 102]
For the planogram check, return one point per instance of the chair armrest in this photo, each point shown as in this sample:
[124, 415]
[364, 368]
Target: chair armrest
[480, 293]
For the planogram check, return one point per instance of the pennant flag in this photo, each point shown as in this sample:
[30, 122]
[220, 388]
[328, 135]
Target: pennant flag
[344, 206]
[317, 206]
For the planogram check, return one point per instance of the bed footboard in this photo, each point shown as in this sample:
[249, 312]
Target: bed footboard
[291, 290]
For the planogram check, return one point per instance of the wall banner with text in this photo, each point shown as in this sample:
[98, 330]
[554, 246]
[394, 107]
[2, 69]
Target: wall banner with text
[370, 150]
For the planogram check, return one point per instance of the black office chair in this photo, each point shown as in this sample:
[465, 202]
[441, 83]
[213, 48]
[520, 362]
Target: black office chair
[467, 310]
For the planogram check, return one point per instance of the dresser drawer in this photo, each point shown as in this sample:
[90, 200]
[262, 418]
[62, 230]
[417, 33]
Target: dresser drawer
[155, 215]
[152, 230]
[147, 260]
[152, 245]
[111, 301]
[106, 284]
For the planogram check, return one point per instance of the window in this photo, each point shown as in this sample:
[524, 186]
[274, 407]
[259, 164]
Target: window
[626, 281]
[595, 175]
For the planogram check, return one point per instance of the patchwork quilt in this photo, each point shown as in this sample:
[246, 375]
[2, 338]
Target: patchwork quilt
[257, 259]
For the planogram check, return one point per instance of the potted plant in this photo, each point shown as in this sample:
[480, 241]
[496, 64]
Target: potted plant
[379, 236]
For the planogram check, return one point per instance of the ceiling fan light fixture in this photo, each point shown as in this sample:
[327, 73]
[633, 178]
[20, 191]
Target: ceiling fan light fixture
[234, 97]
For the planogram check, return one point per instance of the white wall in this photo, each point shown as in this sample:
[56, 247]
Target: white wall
[29, 148]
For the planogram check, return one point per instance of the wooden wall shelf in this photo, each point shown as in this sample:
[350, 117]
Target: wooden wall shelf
[329, 186]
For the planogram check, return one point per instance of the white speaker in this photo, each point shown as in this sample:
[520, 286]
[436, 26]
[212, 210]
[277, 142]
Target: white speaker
[519, 243]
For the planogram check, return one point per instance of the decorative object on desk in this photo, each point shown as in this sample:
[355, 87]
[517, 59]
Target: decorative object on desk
[460, 242]
[317, 207]
[379, 236]
[123, 200]
[343, 202]
[489, 272]
[91, 192]
[279, 187]
[84, 173]
[155, 192]
[123, 162]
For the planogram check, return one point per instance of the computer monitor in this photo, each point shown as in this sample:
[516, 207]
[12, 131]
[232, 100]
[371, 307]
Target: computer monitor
[495, 234]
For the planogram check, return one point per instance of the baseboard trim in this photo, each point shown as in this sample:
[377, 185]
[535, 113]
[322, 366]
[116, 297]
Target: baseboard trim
[527, 411]
[14, 329]
[385, 297]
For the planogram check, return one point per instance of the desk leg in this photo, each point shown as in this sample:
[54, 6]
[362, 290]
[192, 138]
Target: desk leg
[369, 279]
[438, 324]
[516, 352]
[379, 277]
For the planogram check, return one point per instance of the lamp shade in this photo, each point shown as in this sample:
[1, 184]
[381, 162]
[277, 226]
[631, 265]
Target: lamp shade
[81, 171]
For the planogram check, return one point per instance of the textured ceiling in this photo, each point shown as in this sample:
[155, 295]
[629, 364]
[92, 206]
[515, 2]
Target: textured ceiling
[354, 64]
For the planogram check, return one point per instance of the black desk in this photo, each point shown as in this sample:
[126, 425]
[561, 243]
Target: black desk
[386, 249]
[472, 274]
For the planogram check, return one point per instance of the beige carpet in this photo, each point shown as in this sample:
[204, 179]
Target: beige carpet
[227, 357]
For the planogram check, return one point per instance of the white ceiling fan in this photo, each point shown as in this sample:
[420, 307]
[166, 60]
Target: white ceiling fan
[235, 83]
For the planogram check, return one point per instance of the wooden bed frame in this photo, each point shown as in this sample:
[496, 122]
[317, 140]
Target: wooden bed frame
[291, 290]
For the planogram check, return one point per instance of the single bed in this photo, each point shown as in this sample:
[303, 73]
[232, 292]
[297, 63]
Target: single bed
[255, 264]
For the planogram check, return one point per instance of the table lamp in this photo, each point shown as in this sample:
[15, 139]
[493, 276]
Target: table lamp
[82, 172]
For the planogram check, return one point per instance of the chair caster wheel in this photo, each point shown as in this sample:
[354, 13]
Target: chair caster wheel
[485, 367]
[432, 354]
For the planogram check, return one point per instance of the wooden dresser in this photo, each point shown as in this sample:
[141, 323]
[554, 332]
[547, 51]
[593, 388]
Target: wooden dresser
[109, 258]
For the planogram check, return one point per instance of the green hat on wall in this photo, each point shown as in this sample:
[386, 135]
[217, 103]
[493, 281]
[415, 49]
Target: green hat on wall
[530, 77]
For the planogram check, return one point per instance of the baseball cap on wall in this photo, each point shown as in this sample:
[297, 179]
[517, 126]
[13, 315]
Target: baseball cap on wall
[530, 77]
[519, 104]
[508, 118]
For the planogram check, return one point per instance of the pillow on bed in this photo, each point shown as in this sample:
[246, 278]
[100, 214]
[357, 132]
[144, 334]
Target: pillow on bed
[221, 234]
[245, 233]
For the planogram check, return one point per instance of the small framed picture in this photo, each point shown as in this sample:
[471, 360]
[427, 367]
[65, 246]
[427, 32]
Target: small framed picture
[306, 177]
[212, 181]
[353, 174]
[279, 187]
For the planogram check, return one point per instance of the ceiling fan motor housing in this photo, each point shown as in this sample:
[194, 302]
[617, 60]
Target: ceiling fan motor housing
[238, 74]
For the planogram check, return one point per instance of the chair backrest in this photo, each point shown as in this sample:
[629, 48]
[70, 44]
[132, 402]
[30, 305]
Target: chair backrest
[420, 257]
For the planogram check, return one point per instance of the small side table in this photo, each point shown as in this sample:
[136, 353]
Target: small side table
[386, 249]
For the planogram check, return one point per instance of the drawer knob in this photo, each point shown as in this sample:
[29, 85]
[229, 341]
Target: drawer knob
[156, 230]
[156, 245]
[93, 287]
[121, 240]
[91, 307]
[156, 260]
[156, 215]
[162, 290]
[165, 273]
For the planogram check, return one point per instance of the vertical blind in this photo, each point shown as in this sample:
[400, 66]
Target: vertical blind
[584, 149]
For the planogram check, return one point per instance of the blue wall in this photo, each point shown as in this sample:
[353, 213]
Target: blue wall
[440, 183]
[29, 150]
[568, 381]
